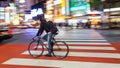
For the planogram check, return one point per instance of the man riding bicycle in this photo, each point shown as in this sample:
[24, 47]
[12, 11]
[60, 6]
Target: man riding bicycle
[50, 29]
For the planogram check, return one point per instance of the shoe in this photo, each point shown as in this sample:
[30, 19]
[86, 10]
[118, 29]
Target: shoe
[48, 55]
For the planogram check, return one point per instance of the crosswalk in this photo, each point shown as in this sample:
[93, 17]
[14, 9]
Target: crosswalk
[87, 50]
[80, 56]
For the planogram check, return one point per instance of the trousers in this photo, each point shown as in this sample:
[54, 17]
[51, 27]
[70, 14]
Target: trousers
[50, 45]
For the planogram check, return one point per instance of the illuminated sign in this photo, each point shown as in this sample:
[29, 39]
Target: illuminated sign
[39, 11]
[36, 12]
[82, 7]
[79, 7]
[74, 3]
[56, 2]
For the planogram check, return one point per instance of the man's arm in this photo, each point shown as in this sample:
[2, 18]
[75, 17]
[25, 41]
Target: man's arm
[41, 29]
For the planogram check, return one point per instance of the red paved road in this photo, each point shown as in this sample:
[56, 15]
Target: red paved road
[9, 51]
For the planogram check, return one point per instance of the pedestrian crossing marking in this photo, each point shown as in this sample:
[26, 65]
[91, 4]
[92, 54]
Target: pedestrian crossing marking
[86, 43]
[58, 63]
[82, 40]
[87, 47]
[84, 54]
[75, 59]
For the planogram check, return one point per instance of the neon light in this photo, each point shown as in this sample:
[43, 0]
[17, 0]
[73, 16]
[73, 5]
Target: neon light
[112, 9]
[83, 7]
[34, 12]
[39, 11]
[63, 3]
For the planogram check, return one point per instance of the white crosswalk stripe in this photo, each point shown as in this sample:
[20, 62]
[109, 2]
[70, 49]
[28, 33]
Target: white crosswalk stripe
[86, 43]
[59, 63]
[85, 54]
[82, 40]
[87, 47]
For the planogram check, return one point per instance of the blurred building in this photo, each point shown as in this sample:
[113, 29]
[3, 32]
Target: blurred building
[112, 10]
[8, 11]
[60, 11]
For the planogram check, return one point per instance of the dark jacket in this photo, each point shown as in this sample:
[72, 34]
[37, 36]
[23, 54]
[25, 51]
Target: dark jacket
[48, 27]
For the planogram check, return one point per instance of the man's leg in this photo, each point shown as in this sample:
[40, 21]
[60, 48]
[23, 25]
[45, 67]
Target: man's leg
[49, 43]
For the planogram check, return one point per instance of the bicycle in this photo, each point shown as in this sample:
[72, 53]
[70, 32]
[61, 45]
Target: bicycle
[37, 46]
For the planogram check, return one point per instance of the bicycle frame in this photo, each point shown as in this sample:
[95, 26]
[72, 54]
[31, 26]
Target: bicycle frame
[55, 44]
[53, 40]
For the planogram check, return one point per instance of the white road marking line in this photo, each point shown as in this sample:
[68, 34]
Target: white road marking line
[18, 32]
[84, 54]
[87, 47]
[59, 63]
[86, 43]
[80, 40]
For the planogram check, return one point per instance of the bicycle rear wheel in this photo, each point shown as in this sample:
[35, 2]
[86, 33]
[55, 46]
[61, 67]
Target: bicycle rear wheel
[60, 49]
[35, 49]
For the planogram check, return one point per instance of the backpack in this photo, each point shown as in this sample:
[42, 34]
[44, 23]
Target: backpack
[54, 28]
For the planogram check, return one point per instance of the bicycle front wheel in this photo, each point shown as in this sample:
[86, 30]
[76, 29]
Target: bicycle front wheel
[60, 49]
[35, 49]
